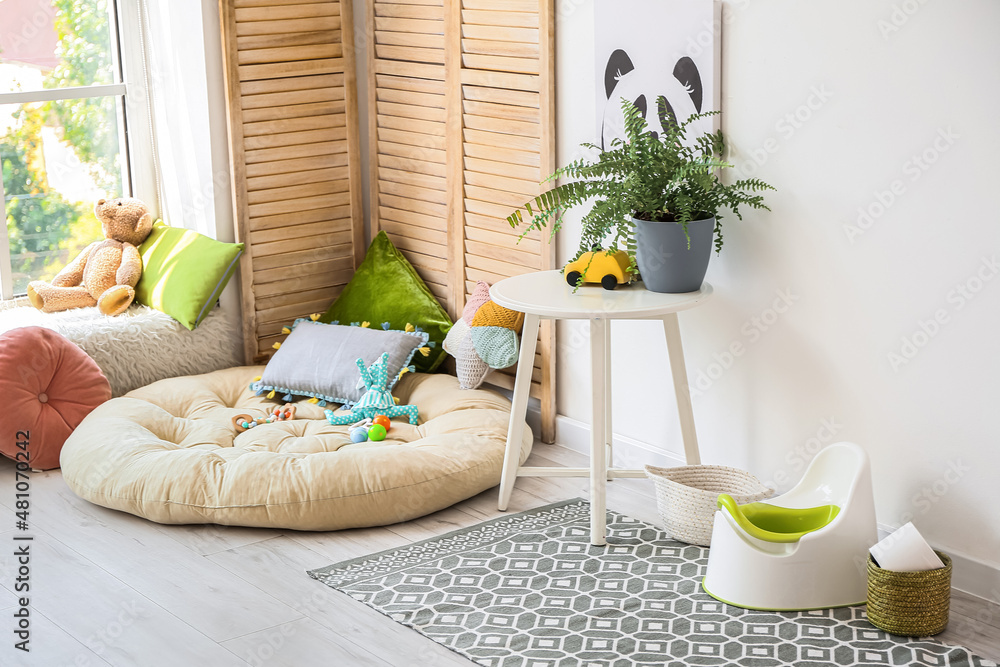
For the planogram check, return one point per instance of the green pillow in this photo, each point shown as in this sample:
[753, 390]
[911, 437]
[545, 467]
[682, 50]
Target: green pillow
[386, 288]
[184, 272]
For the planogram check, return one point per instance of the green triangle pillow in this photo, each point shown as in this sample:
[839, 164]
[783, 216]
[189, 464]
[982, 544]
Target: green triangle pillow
[386, 288]
[184, 272]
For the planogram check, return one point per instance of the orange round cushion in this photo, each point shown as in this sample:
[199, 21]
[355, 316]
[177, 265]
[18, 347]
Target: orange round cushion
[50, 385]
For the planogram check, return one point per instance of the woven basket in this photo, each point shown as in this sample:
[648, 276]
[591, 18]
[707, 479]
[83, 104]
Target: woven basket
[686, 497]
[912, 604]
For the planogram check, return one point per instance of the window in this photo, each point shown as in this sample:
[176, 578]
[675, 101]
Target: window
[62, 129]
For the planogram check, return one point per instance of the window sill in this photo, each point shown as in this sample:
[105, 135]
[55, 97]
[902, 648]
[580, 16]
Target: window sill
[16, 302]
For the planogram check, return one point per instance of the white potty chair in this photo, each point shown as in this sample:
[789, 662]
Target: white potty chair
[805, 549]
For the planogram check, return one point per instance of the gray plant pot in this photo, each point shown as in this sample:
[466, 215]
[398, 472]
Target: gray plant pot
[665, 261]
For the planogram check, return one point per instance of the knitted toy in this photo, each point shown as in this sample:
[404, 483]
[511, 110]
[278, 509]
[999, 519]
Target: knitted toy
[484, 337]
[106, 272]
[377, 400]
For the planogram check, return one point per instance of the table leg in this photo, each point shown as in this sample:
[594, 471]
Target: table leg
[677, 368]
[608, 429]
[598, 446]
[518, 409]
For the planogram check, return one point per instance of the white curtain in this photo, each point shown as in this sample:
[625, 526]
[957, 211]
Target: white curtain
[192, 183]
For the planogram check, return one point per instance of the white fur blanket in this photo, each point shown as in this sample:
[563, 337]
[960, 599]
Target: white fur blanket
[141, 345]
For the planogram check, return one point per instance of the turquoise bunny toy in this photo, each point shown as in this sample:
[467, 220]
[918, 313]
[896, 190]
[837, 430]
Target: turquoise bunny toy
[377, 400]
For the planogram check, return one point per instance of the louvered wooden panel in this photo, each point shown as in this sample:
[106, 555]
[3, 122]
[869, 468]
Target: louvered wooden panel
[408, 135]
[506, 100]
[462, 132]
[295, 158]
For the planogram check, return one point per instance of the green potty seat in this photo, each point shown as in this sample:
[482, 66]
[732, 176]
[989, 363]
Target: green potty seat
[771, 523]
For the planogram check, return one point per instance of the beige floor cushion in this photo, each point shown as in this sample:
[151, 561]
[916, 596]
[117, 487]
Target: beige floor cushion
[169, 452]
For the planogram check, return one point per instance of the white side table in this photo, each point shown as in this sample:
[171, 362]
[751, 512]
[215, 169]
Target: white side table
[545, 294]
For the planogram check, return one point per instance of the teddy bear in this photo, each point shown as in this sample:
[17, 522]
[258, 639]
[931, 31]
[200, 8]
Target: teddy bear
[106, 272]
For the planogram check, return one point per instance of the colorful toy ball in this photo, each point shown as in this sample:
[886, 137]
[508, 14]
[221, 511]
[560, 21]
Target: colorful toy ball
[360, 434]
[376, 432]
[383, 421]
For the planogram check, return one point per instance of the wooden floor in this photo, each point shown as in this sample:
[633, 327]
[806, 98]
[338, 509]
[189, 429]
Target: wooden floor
[112, 589]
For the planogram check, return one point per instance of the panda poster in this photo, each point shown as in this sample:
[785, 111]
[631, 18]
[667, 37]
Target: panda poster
[648, 48]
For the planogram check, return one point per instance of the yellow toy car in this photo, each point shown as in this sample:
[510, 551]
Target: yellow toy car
[607, 267]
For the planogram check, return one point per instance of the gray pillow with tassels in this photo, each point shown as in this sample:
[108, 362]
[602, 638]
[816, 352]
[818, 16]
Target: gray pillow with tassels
[318, 360]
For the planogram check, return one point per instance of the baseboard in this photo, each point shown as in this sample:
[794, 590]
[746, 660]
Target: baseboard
[974, 576]
[628, 452]
[968, 574]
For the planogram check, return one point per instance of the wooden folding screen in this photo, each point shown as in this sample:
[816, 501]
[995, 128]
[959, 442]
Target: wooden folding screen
[295, 158]
[461, 131]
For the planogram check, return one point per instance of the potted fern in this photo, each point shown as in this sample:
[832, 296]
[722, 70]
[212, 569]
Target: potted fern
[657, 197]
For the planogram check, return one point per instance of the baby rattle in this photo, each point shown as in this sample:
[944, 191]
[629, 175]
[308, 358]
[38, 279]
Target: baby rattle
[279, 414]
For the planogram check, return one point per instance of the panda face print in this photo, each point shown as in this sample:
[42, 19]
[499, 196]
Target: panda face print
[642, 86]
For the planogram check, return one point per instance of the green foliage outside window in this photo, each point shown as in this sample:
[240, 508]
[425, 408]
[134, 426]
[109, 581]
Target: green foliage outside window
[39, 220]
[43, 228]
[84, 59]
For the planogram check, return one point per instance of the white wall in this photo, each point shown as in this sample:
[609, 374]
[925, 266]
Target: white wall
[882, 94]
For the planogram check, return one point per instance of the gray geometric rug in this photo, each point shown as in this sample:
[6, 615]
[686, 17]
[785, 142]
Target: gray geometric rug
[528, 590]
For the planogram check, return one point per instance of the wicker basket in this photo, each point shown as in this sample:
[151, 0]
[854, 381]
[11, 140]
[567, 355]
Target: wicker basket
[686, 497]
[912, 604]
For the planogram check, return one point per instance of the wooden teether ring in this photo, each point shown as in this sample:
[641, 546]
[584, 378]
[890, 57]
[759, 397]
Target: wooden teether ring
[239, 420]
